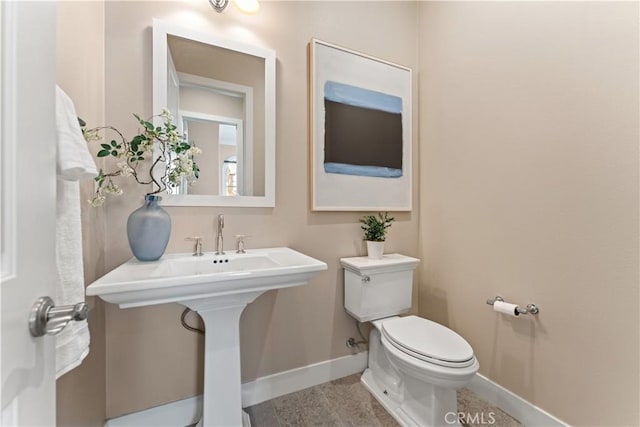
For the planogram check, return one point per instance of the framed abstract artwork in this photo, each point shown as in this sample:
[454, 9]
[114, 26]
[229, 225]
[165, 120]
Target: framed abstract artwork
[360, 131]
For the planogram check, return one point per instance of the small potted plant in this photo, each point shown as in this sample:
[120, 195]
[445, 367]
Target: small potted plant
[375, 230]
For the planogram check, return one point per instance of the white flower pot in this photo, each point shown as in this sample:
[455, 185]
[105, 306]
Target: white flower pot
[375, 249]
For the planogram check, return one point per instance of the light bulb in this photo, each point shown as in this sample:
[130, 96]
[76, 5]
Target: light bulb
[248, 6]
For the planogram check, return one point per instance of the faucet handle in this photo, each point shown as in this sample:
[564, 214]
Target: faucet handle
[240, 243]
[198, 248]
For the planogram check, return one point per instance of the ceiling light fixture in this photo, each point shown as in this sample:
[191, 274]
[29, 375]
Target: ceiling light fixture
[246, 6]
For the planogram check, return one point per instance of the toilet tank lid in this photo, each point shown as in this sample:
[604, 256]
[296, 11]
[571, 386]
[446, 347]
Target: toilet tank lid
[388, 263]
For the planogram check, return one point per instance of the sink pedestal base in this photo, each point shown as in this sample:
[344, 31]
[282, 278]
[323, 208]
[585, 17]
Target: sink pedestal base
[222, 397]
[246, 420]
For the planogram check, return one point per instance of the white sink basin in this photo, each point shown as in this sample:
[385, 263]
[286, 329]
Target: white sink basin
[182, 277]
[218, 287]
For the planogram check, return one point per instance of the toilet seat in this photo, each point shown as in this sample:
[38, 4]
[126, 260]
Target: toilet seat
[428, 341]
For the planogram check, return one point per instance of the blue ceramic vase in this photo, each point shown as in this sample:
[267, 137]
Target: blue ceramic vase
[148, 229]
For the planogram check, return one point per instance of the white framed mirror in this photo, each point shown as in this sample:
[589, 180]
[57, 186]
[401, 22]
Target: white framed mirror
[221, 94]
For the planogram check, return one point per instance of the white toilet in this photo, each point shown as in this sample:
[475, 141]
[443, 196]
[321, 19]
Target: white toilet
[415, 365]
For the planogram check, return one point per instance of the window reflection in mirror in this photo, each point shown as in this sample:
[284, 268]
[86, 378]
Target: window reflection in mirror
[229, 178]
[222, 138]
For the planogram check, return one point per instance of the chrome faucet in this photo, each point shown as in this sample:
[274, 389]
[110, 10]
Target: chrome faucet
[219, 238]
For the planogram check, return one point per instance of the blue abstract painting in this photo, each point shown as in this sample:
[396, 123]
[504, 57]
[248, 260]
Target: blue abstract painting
[363, 132]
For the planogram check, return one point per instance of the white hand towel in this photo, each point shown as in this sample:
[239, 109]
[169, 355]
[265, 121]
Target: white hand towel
[74, 163]
[72, 344]
[74, 159]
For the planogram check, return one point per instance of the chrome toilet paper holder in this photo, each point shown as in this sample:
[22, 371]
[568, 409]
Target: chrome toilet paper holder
[529, 309]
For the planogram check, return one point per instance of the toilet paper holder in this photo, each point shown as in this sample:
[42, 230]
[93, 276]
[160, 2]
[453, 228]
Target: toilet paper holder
[529, 309]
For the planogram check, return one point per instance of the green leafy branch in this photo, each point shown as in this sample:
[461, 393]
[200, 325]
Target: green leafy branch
[160, 145]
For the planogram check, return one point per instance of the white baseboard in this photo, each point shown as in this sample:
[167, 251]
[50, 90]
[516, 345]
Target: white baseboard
[514, 405]
[282, 383]
[187, 411]
[179, 413]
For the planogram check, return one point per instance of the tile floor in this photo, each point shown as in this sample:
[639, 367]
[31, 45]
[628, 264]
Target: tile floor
[345, 402]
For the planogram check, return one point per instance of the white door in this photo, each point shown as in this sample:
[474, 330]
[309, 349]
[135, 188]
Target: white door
[27, 206]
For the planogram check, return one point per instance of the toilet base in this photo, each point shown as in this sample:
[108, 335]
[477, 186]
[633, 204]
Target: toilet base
[397, 410]
[411, 401]
[387, 403]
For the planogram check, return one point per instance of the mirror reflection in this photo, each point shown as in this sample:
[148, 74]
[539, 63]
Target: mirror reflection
[222, 137]
[208, 95]
[222, 96]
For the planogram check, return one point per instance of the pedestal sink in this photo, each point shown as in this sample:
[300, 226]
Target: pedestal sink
[218, 287]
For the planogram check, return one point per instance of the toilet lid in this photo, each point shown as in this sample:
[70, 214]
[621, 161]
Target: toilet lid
[428, 341]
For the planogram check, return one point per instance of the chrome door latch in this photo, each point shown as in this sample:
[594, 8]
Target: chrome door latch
[46, 318]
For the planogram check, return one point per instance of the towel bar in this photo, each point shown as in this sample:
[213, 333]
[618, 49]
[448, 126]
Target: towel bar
[46, 318]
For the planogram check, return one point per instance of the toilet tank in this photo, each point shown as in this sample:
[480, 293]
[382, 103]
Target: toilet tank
[378, 288]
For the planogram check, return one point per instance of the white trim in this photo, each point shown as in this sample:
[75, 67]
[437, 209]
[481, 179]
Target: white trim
[282, 383]
[209, 38]
[227, 201]
[2, 194]
[187, 411]
[514, 405]
[179, 413]
[8, 137]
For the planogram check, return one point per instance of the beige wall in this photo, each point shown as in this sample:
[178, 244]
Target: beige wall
[528, 181]
[151, 359]
[80, 73]
[529, 189]
[195, 99]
